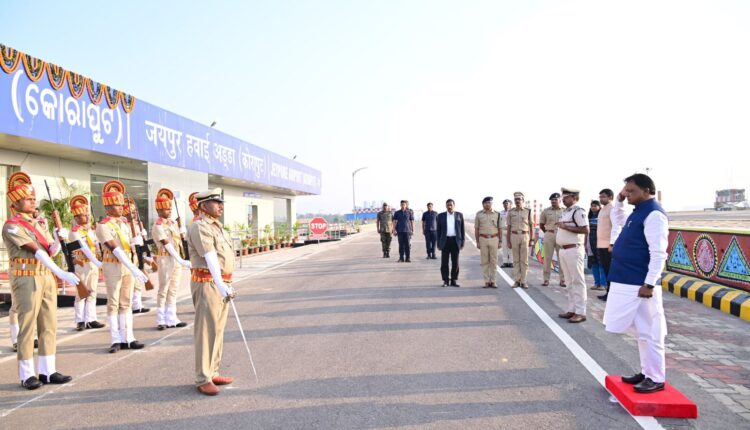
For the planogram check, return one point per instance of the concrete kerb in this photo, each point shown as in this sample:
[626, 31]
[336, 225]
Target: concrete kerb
[726, 299]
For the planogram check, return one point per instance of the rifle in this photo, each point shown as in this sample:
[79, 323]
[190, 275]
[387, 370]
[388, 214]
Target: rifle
[141, 249]
[66, 248]
[185, 251]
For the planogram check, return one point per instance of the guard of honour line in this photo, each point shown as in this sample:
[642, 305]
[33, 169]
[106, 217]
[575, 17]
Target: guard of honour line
[630, 249]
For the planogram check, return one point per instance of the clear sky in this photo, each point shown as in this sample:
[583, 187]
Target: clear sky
[438, 99]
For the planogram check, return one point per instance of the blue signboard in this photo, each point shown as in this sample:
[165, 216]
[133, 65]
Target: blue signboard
[42, 101]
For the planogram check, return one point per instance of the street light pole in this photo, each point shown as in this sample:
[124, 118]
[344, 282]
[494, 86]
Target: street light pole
[354, 199]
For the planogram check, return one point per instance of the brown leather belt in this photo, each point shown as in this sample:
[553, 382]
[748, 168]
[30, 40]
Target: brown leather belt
[575, 245]
[519, 232]
[488, 236]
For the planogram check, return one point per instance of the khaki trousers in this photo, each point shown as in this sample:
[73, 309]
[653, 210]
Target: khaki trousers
[210, 320]
[119, 283]
[519, 244]
[170, 274]
[550, 247]
[35, 298]
[85, 309]
[488, 257]
[571, 262]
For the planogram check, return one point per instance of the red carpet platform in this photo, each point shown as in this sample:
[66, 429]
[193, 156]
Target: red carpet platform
[667, 403]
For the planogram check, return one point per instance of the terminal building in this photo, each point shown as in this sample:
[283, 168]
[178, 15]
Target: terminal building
[77, 134]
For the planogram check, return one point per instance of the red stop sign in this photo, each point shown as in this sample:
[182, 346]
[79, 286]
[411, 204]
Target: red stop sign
[318, 226]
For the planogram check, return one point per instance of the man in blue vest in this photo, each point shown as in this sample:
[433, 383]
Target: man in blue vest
[634, 303]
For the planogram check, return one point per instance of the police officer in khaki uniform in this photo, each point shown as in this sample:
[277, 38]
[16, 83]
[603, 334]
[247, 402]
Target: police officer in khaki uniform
[129, 211]
[212, 256]
[30, 251]
[166, 234]
[548, 223]
[194, 207]
[571, 233]
[385, 225]
[488, 228]
[505, 256]
[519, 232]
[87, 263]
[120, 274]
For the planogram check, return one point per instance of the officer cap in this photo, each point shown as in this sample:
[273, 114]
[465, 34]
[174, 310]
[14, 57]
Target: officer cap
[208, 195]
[570, 191]
[487, 199]
[507, 201]
[554, 196]
[517, 194]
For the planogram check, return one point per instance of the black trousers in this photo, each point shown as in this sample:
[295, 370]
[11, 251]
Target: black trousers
[404, 248]
[450, 250]
[605, 259]
[430, 239]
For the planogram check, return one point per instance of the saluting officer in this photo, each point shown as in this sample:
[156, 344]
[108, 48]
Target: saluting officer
[385, 225]
[166, 234]
[488, 227]
[30, 252]
[548, 223]
[519, 232]
[119, 271]
[212, 257]
[87, 263]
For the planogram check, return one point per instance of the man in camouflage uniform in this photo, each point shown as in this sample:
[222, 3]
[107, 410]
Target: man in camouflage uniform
[385, 226]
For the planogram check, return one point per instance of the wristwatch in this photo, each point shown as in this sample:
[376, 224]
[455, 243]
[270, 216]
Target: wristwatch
[649, 286]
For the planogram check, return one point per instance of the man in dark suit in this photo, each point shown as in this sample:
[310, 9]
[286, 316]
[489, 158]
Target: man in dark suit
[451, 234]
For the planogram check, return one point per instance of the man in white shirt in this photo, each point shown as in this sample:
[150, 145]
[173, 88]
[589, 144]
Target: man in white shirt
[570, 236]
[634, 303]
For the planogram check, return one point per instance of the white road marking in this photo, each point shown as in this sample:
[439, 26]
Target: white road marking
[646, 423]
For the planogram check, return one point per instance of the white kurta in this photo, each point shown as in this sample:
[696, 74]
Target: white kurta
[625, 311]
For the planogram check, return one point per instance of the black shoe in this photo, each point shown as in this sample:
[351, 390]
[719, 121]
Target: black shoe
[179, 324]
[493, 285]
[635, 379]
[15, 347]
[384, 255]
[602, 298]
[524, 286]
[516, 285]
[114, 348]
[408, 260]
[648, 386]
[55, 378]
[94, 324]
[161, 327]
[387, 254]
[454, 284]
[141, 310]
[80, 326]
[400, 260]
[32, 383]
[132, 345]
[445, 283]
[36, 343]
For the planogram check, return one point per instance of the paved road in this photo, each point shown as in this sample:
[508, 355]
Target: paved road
[345, 339]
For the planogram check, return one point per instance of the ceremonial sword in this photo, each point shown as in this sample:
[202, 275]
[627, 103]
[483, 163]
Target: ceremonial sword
[242, 332]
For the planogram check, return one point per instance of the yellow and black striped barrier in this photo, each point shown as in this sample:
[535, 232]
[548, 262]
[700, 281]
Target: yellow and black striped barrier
[728, 300]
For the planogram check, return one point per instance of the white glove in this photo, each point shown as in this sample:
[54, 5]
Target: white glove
[90, 255]
[54, 248]
[137, 274]
[138, 241]
[62, 232]
[68, 277]
[173, 252]
[212, 260]
[183, 230]
[148, 259]
[144, 234]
